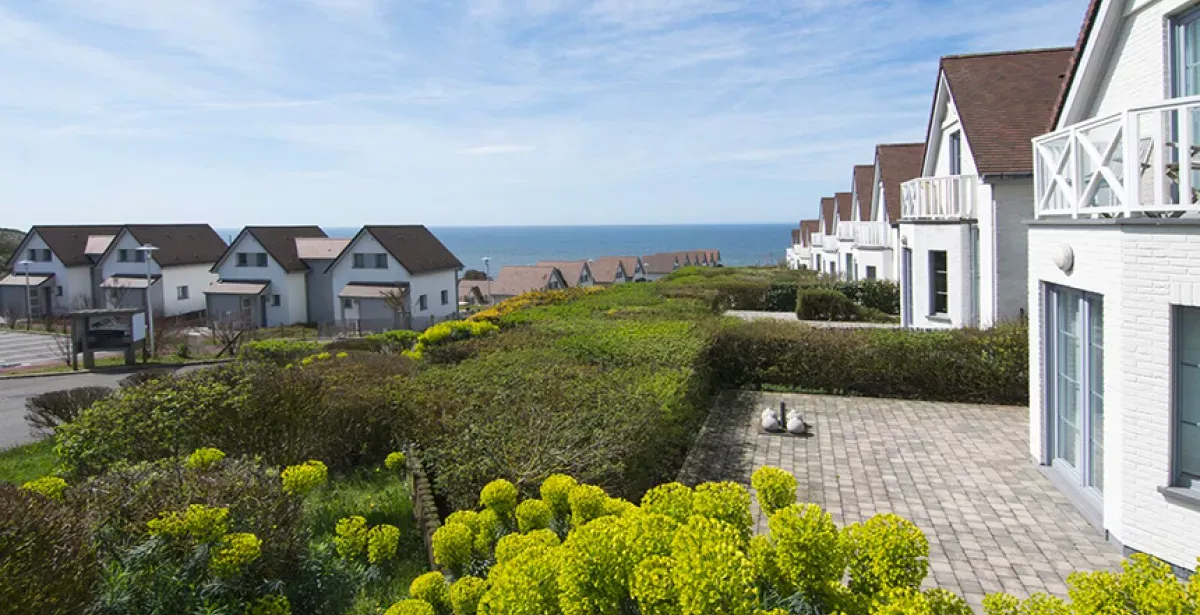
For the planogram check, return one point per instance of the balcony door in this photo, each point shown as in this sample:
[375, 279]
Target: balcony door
[1185, 56]
[906, 289]
[1075, 386]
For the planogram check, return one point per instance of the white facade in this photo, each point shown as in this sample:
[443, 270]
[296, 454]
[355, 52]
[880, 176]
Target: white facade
[69, 282]
[284, 300]
[1126, 447]
[873, 237]
[438, 287]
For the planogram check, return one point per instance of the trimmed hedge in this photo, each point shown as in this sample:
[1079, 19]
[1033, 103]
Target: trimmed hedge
[49, 410]
[825, 304]
[277, 351]
[968, 365]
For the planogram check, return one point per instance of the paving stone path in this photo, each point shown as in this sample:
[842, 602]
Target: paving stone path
[961, 472]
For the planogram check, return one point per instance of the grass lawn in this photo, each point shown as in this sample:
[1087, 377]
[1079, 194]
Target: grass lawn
[106, 362]
[24, 463]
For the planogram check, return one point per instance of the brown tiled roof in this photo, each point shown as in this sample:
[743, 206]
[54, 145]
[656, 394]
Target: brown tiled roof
[898, 163]
[513, 280]
[795, 236]
[180, 244]
[69, 243]
[280, 243]
[604, 270]
[864, 177]
[845, 206]
[1089, 22]
[466, 288]
[828, 212]
[807, 228]
[1004, 100]
[415, 247]
[663, 262]
[571, 270]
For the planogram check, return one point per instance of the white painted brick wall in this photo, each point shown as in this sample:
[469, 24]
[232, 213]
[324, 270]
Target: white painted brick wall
[1137, 73]
[924, 238]
[1013, 200]
[1140, 271]
[881, 260]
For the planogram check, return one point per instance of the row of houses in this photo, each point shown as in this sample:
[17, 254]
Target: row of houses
[513, 280]
[1063, 184]
[383, 277]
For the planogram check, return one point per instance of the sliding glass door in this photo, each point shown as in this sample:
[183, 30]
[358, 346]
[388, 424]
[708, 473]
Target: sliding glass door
[1075, 385]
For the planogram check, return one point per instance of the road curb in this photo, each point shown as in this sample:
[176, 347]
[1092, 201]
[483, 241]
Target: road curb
[124, 369]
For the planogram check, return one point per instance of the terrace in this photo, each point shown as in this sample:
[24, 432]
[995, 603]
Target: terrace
[871, 234]
[949, 197]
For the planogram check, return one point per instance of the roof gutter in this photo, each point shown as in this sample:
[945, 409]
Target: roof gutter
[1021, 175]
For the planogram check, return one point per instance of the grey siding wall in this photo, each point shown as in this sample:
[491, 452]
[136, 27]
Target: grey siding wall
[1014, 207]
[320, 291]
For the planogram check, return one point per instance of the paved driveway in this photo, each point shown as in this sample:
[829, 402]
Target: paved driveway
[20, 348]
[961, 472]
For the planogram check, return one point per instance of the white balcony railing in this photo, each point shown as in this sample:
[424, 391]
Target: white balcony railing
[872, 234]
[1124, 164]
[845, 231]
[830, 243]
[816, 239]
[950, 197]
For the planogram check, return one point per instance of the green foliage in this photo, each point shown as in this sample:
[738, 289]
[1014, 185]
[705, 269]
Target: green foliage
[593, 569]
[24, 463]
[233, 553]
[303, 478]
[826, 304]
[277, 351]
[199, 522]
[453, 544]
[728, 502]
[652, 586]
[711, 572]
[533, 515]
[807, 546]
[382, 542]
[587, 503]
[47, 486]
[432, 588]
[967, 365]
[271, 605]
[512, 545]
[776, 489]
[490, 528]
[47, 558]
[395, 341]
[910, 601]
[47, 411]
[879, 295]
[465, 594]
[555, 490]
[527, 585]
[350, 537]
[885, 553]
[499, 496]
[204, 458]
[672, 499]
[396, 462]
[449, 332]
[411, 607]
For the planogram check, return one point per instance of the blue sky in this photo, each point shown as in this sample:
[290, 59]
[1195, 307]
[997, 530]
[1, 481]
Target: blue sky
[344, 112]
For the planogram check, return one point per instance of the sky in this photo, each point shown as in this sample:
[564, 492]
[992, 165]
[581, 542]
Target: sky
[469, 113]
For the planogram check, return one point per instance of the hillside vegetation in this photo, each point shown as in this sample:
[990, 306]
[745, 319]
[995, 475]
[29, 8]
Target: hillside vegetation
[9, 240]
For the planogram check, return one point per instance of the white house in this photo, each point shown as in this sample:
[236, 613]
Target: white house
[843, 235]
[877, 207]
[658, 266]
[175, 274]
[1113, 282]
[870, 247]
[825, 259]
[261, 279]
[59, 272]
[962, 236]
[391, 277]
[576, 273]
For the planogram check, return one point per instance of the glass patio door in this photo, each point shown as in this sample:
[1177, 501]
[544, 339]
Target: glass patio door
[1075, 387]
[906, 283]
[1185, 54]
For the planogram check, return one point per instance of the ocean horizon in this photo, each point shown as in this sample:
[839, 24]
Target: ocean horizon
[740, 244]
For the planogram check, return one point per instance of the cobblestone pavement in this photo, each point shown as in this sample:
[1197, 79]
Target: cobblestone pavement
[961, 472]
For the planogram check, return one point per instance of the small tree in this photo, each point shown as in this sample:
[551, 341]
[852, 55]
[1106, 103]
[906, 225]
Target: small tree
[228, 333]
[397, 300]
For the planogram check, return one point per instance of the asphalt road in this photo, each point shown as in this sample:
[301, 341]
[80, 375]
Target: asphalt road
[20, 348]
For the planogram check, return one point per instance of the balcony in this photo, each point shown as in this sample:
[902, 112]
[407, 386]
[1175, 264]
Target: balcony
[816, 239]
[845, 231]
[1122, 165]
[951, 197]
[872, 235]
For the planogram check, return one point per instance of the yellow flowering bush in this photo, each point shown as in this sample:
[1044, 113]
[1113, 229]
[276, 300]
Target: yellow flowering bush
[234, 552]
[594, 568]
[526, 585]
[766, 565]
[775, 488]
[350, 537]
[512, 545]
[884, 553]
[672, 499]
[204, 458]
[711, 572]
[199, 522]
[395, 461]
[432, 588]
[647, 534]
[807, 547]
[382, 541]
[452, 331]
[727, 501]
[300, 479]
[48, 486]
[411, 607]
[465, 595]
[453, 544]
[271, 605]
[499, 496]
[533, 515]
[911, 601]
[618, 507]
[490, 528]
[653, 587]
[555, 491]
[468, 518]
[587, 503]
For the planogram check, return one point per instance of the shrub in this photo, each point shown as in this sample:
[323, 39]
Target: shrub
[234, 552]
[825, 304]
[499, 496]
[48, 486]
[555, 490]
[711, 572]
[587, 503]
[881, 295]
[512, 545]
[199, 523]
[395, 341]
[885, 553]
[593, 569]
[465, 595]
[808, 550]
[653, 587]
[990, 366]
[47, 561]
[144, 376]
[271, 605]
[49, 410]
[411, 607]
[432, 588]
[449, 332]
[533, 515]
[277, 351]
[453, 544]
[672, 499]
[728, 502]
[491, 528]
[303, 478]
[396, 462]
[382, 542]
[776, 489]
[350, 537]
[204, 458]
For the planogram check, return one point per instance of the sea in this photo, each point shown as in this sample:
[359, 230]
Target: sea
[740, 244]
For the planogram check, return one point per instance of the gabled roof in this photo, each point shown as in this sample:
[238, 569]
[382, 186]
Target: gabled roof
[1003, 101]
[795, 236]
[1085, 31]
[845, 206]
[179, 244]
[629, 262]
[604, 270]
[807, 228]
[69, 243]
[662, 262]
[279, 242]
[468, 288]
[828, 213]
[514, 280]
[413, 246]
[320, 248]
[864, 178]
[898, 163]
[571, 270]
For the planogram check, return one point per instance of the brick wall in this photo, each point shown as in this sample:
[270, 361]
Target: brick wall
[1138, 71]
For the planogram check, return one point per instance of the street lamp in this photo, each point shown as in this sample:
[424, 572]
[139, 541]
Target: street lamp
[487, 272]
[28, 299]
[147, 251]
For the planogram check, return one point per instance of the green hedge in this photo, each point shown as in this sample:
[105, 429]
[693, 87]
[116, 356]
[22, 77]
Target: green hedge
[990, 366]
[278, 351]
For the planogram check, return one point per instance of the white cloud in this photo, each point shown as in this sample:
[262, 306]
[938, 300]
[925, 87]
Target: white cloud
[488, 150]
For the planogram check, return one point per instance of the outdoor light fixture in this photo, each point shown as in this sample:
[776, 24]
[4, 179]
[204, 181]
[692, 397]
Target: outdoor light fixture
[1065, 259]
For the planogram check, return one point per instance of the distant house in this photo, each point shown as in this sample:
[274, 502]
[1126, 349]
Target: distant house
[875, 235]
[824, 260]
[611, 270]
[516, 280]
[261, 279]
[180, 269]
[661, 265]
[318, 253]
[576, 273]
[799, 255]
[843, 234]
[472, 292]
[391, 277]
[61, 269]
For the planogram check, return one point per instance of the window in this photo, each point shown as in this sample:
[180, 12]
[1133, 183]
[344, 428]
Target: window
[275, 301]
[360, 261]
[870, 272]
[131, 256]
[939, 291]
[381, 261]
[1187, 398]
[445, 297]
[243, 259]
[39, 255]
[123, 256]
[370, 261]
[260, 259]
[181, 292]
[1075, 385]
[348, 303]
[423, 302]
[850, 267]
[956, 152]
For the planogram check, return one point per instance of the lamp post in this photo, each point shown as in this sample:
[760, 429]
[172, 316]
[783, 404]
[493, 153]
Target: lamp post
[28, 299]
[147, 251]
[487, 272]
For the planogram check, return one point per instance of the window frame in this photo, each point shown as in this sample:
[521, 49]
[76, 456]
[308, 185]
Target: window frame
[182, 293]
[276, 301]
[871, 272]
[933, 291]
[1178, 478]
[260, 259]
[347, 303]
[423, 302]
[242, 259]
[381, 260]
[955, 155]
[445, 297]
